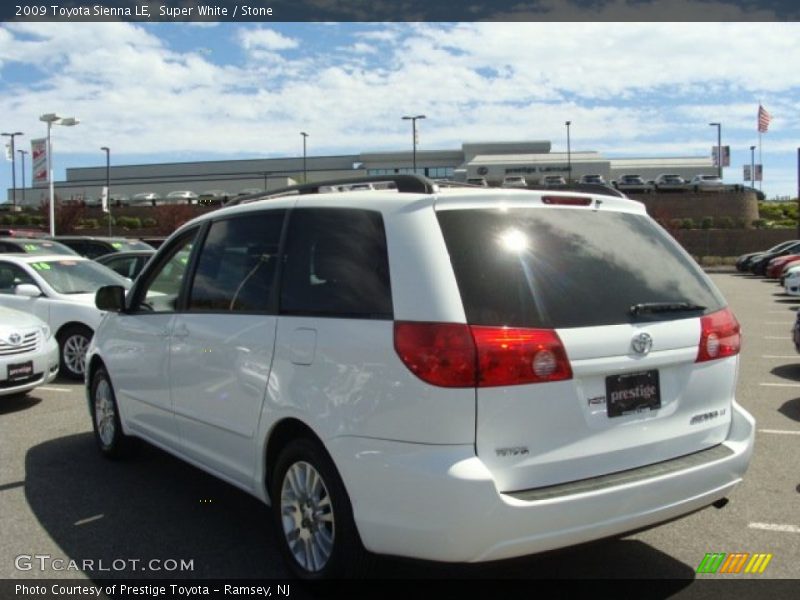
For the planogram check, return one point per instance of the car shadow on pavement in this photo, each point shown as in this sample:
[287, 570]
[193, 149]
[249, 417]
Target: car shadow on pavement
[791, 409]
[154, 506]
[13, 404]
[790, 371]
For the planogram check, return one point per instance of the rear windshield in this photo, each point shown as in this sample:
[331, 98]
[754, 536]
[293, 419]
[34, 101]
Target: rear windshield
[559, 268]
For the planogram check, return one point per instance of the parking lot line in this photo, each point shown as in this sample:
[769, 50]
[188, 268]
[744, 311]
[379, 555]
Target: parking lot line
[781, 356]
[47, 388]
[775, 527]
[776, 337]
[779, 431]
[789, 385]
[786, 323]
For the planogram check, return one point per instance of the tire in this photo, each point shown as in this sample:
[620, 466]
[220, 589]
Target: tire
[111, 441]
[73, 341]
[311, 507]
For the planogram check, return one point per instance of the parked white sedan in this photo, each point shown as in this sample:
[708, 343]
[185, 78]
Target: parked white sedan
[60, 291]
[28, 352]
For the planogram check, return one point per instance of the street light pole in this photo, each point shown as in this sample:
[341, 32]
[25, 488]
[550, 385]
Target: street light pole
[305, 171]
[569, 154]
[50, 119]
[753, 167]
[13, 170]
[719, 147]
[414, 139]
[107, 150]
[22, 154]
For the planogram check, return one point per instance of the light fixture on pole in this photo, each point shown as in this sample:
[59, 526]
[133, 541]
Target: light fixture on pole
[414, 139]
[569, 154]
[753, 167]
[107, 150]
[719, 147]
[51, 119]
[13, 170]
[22, 154]
[305, 171]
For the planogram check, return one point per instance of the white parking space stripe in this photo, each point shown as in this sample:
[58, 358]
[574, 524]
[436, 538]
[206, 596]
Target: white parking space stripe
[775, 527]
[789, 385]
[776, 337]
[786, 323]
[781, 356]
[47, 388]
[779, 312]
[779, 431]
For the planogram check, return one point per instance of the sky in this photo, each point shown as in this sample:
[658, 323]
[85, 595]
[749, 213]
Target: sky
[173, 92]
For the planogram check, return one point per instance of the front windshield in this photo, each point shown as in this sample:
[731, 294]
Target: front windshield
[69, 276]
[47, 247]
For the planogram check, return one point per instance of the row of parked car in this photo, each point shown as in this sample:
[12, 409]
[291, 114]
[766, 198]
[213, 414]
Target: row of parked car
[626, 183]
[214, 197]
[781, 262]
[47, 302]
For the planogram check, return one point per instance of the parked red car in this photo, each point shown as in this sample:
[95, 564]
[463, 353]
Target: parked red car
[775, 266]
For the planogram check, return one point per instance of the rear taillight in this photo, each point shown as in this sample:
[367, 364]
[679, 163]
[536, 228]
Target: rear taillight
[456, 355]
[719, 336]
[509, 356]
[441, 354]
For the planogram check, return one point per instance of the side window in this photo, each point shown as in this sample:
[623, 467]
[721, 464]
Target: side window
[237, 264]
[11, 276]
[336, 265]
[162, 286]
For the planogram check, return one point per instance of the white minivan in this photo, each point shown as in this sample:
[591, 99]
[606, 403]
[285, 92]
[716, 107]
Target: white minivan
[452, 374]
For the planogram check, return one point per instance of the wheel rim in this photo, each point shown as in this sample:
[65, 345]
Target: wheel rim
[307, 516]
[75, 347]
[104, 414]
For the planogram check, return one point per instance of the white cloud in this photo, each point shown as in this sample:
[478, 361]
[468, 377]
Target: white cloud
[265, 39]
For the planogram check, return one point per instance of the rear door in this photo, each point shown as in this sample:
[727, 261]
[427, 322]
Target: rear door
[635, 396]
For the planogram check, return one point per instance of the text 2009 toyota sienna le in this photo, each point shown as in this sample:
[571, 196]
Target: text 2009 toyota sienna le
[449, 374]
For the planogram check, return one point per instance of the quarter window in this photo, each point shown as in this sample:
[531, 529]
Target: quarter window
[336, 264]
[162, 285]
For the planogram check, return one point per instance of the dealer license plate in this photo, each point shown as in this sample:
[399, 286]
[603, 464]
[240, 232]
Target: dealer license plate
[632, 393]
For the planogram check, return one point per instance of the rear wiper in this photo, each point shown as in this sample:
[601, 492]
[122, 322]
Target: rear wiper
[661, 307]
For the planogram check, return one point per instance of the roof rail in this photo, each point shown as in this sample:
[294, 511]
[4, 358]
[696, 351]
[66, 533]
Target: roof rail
[410, 184]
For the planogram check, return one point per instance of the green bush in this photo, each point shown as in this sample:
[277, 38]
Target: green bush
[89, 224]
[130, 222]
[687, 223]
[8, 219]
[724, 223]
[149, 222]
[760, 223]
[707, 223]
[784, 224]
[22, 219]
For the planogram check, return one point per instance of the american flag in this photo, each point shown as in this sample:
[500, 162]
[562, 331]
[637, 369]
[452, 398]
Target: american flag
[763, 119]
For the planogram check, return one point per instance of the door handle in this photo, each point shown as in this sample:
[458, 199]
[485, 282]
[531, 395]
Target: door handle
[180, 332]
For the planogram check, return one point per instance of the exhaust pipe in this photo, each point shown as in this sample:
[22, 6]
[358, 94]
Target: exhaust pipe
[721, 503]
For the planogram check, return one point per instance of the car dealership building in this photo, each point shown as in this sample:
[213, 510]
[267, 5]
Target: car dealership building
[491, 160]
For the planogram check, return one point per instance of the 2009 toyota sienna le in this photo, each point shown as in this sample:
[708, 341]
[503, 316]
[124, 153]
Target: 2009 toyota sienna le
[454, 374]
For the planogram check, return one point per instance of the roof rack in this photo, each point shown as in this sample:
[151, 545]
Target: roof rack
[409, 184]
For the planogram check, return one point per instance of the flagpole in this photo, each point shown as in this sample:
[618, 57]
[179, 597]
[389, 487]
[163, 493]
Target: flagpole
[761, 162]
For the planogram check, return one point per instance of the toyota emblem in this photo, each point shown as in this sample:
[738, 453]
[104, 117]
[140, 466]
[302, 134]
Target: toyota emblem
[14, 339]
[642, 343]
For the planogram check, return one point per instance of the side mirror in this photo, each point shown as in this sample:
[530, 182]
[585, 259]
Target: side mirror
[28, 289]
[110, 298]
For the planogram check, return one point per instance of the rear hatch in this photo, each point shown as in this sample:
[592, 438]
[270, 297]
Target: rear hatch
[601, 346]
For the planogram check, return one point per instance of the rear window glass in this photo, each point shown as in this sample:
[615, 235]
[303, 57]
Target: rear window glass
[560, 268]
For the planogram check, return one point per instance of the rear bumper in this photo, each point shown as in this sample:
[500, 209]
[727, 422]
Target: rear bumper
[441, 503]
